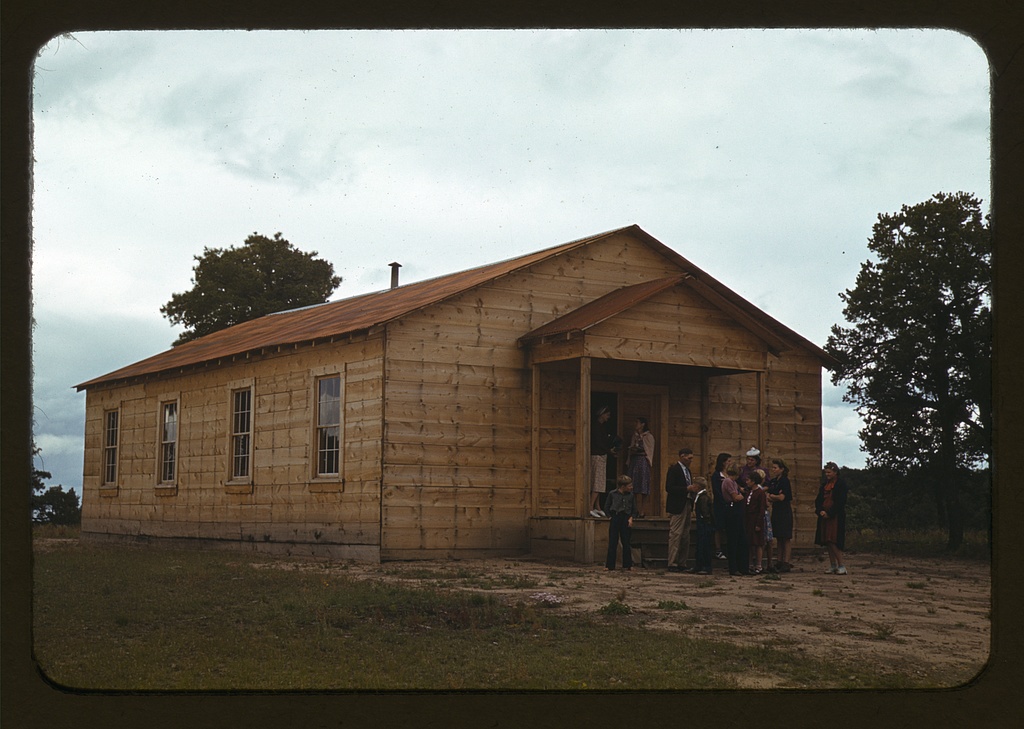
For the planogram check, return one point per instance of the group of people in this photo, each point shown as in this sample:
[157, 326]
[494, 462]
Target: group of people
[749, 507]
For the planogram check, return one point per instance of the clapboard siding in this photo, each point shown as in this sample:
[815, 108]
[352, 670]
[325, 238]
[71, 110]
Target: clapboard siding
[282, 502]
[457, 439]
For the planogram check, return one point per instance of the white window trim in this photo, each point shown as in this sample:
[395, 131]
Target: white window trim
[106, 447]
[233, 389]
[317, 375]
[165, 400]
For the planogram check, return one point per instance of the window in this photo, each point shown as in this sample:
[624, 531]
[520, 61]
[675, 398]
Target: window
[328, 426]
[110, 422]
[168, 441]
[241, 434]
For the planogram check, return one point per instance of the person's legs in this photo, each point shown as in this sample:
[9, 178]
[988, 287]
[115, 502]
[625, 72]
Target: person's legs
[675, 531]
[613, 543]
[684, 534]
[624, 536]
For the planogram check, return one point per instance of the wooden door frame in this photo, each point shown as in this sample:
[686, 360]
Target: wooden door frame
[661, 392]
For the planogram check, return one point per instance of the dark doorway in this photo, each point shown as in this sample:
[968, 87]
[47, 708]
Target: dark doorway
[609, 400]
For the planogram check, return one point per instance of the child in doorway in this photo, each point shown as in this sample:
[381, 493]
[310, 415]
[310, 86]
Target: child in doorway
[621, 508]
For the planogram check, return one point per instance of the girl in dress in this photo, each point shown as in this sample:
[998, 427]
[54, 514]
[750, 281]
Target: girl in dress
[756, 507]
[780, 495]
[641, 458]
[721, 506]
[830, 506]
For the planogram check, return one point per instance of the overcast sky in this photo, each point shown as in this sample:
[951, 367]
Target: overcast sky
[762, 156]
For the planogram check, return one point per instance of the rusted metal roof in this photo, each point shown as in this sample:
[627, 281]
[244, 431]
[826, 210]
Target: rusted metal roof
[325, 321]
[362, 313]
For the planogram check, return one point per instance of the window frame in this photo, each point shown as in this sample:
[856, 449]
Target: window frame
[163, 443]
[320, 426]
[235, 434]
[111, 451]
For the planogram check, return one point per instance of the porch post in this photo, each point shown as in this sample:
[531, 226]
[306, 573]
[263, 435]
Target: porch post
[705, 422]
[762, 417]
[585, 545]
[534, 438]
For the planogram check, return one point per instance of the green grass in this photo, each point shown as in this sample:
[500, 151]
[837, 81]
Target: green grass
[135, 619]
[907, 543]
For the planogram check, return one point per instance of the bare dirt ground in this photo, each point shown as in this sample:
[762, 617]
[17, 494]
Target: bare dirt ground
[924, 618]
[929, 619]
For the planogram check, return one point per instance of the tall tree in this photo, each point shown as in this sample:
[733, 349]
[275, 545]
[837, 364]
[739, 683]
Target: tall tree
[233, 285]
[917, 358]
[52, 505]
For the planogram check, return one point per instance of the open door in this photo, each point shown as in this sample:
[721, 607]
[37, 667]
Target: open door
[635, 406]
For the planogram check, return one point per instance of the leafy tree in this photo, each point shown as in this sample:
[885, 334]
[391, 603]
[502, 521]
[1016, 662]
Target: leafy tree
[233, 285]
[52, 505]
[917, 358]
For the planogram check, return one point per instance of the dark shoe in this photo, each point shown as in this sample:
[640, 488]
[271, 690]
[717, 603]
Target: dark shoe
[673, 568]
[720, 555]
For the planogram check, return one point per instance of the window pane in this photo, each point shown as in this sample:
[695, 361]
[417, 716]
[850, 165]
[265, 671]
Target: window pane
[170, 422]
[329, 401]
[167, 472]
[111, 439]
[242, 411]
[329, 442]
[240, 468]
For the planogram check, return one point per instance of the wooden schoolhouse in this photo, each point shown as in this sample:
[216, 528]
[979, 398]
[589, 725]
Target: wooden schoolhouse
[449, 417]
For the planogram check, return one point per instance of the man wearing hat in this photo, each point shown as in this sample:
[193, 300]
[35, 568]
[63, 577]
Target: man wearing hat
[679, 495]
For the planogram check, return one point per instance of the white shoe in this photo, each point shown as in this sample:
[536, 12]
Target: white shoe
[841, 570]
[596, 514]
[602, 514]
[831, 570]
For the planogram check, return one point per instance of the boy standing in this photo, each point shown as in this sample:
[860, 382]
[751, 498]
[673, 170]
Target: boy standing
[621, 509]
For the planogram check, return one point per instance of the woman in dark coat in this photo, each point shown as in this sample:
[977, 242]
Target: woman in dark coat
[780, 496]
[830, 506]
[721, 506]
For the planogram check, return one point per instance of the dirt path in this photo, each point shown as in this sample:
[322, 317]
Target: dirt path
[925, 618]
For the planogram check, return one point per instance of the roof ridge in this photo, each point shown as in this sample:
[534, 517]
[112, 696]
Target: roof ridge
[316, 322]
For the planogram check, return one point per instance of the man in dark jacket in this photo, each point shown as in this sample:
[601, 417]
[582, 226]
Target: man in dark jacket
[679, 493]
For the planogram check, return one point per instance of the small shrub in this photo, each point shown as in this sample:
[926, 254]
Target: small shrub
[916, 585]
[884, 631]
[673, 605]
[818, 593]
[615, 607]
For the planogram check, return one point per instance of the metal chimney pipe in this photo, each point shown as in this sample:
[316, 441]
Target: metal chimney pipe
[394, 273]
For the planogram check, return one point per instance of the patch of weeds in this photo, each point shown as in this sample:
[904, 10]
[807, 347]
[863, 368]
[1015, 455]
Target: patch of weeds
[615, 607]
[818, 592]
[884, 631]
[931, 610]
[771, 577]
[916, 585]
[706, 583]
[673, 605]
